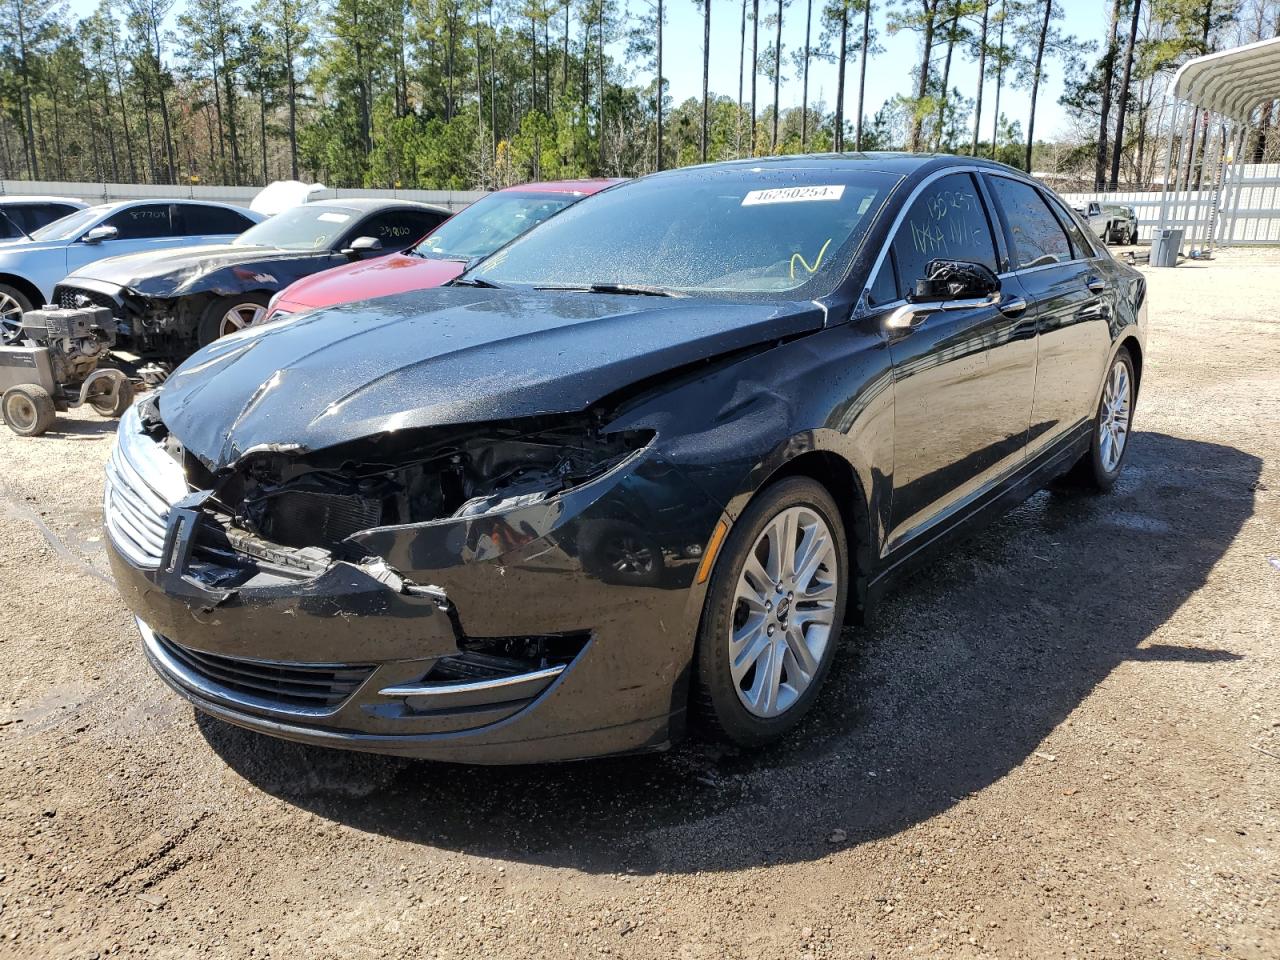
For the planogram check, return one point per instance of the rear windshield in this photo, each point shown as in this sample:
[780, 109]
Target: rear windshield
[751, 232]
[489, 223]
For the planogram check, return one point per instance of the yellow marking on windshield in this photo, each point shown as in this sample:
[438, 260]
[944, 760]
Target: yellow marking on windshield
[804, 263]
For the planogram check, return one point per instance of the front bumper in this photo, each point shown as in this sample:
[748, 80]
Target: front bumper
[345, 657]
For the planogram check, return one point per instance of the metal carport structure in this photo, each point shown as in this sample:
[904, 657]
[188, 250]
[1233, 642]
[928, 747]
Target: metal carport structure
[1220, 95]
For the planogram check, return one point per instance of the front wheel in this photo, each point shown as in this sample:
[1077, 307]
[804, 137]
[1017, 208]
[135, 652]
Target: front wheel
[1099, 469]
[772, 615]
[28, 409]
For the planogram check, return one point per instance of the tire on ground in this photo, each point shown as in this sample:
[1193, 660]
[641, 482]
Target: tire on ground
[28, 409]
[211, 320]
[717, 710]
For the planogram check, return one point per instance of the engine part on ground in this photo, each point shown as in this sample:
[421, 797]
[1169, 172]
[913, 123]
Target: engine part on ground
[54, 366]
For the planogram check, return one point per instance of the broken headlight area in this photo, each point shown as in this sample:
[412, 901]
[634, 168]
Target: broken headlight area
[321, 499]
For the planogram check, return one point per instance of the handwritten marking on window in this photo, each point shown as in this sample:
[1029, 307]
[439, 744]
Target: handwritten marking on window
[804, 263]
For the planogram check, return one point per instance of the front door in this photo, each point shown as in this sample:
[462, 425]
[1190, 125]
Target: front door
[963, 379]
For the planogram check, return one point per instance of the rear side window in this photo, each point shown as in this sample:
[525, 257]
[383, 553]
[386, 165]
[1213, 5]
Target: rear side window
[398, 229]
[946, 221]
[1079, 242]
[141, 222]
[193, 220]
[1036, 237]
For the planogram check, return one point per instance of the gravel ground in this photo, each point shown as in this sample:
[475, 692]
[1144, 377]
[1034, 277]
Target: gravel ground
[1062, 741]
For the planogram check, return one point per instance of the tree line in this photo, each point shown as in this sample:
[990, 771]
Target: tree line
[460, 94]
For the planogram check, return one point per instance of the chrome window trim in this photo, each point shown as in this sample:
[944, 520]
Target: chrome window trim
[863, 307]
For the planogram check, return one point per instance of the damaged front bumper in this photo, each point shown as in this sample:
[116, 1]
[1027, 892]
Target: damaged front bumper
[525, 636]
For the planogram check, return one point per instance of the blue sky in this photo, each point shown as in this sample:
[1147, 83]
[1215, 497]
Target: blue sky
[887, 73]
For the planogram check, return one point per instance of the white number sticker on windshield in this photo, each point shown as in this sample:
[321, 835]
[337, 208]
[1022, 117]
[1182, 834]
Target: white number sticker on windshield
[334, 217]
[793, 195]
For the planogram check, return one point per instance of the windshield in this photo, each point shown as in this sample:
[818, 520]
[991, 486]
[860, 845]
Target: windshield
[489, 223]
[69, 227]
[730, 231]
[308, 227]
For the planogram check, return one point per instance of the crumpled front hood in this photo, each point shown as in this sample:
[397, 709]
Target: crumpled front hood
[366, 279]
[172, 271]
[441, 357]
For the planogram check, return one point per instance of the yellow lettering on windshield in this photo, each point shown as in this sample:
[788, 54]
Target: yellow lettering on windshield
[804, 263]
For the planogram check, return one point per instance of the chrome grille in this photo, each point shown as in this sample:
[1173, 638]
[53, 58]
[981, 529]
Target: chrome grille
[318, 687]
[76, 297]
[142, 483]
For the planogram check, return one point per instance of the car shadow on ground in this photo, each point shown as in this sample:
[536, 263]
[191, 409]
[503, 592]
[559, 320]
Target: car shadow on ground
[967, 668]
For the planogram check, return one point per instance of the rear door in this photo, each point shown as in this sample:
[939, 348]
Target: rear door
[963, 379]
[208, 223]
[1058, 268]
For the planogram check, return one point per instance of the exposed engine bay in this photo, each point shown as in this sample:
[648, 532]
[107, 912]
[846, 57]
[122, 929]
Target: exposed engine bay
[320, 499]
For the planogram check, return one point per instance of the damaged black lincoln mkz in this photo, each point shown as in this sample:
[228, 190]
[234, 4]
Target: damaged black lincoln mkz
[632, 470]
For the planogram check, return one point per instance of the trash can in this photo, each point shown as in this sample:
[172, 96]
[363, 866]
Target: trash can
[1165, 246]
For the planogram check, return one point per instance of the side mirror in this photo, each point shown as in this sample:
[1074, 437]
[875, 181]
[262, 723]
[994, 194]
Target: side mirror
[98, 234]
[951, 285]
[1095, 209]
[363, 245]
[947, 280]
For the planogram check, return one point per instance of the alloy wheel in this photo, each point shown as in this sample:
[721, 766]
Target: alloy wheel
[240, 316]
[1113, 419]
[10, 319]
[783, 611]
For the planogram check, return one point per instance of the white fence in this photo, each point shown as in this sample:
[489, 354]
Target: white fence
[104, 192]
[1256, 218]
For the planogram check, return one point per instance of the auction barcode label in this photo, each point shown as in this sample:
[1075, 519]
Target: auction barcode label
[793, 195]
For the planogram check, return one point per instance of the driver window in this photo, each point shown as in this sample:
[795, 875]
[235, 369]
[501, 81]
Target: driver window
[946, 221]
[142, 222]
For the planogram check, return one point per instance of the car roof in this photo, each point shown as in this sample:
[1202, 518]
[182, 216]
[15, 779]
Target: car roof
[902, 164]
[14, 200]
[369, 204]
[122, 204]
[584, 187]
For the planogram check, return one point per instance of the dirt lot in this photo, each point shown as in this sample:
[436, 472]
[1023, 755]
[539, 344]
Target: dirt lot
[1064, 741]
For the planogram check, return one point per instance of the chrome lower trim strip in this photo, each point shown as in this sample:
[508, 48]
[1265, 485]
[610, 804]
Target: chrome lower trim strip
[475, 693]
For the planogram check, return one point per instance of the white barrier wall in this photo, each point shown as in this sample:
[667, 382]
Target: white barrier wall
[1257, 209]
[455, 200]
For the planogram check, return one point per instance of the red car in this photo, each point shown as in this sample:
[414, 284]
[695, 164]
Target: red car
[472, 233]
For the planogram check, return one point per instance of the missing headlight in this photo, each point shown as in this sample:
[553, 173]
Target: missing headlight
[320, 499]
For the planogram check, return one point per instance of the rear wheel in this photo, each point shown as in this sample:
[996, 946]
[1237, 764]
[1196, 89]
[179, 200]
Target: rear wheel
[773, 614]
[1099, 469]
[28, 409]
[1133, 236]
[13, 304]
[229, 314]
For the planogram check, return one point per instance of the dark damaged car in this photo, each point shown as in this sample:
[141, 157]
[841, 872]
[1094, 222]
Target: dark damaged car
[169, 302]
[610, 480]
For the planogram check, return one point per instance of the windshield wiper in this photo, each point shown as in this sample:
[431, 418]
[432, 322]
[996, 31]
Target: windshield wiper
[631, 289]
[475, 282]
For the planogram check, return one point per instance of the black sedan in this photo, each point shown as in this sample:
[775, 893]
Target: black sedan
[169, 302]
[615, 480]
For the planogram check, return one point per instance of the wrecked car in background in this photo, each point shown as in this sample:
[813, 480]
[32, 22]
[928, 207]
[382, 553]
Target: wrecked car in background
[469, 235]
[170, 302]
[30, 267]
[612, 479]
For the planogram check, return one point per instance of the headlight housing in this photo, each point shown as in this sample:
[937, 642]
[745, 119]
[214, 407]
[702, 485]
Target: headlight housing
[438, 474]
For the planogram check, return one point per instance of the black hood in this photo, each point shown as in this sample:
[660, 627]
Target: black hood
[180, 270]
[442, 357]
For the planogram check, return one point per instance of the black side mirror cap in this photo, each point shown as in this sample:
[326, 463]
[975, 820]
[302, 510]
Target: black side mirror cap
[955, 280]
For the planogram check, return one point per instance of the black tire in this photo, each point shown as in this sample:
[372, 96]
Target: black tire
[1091, 473]
[1133, 237]
[115, 403]
[11, 320]
[28, 410]
[211, 321]
[718, 709]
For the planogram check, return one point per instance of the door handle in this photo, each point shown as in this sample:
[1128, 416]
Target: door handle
[1013, 306]
[1096, 284]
